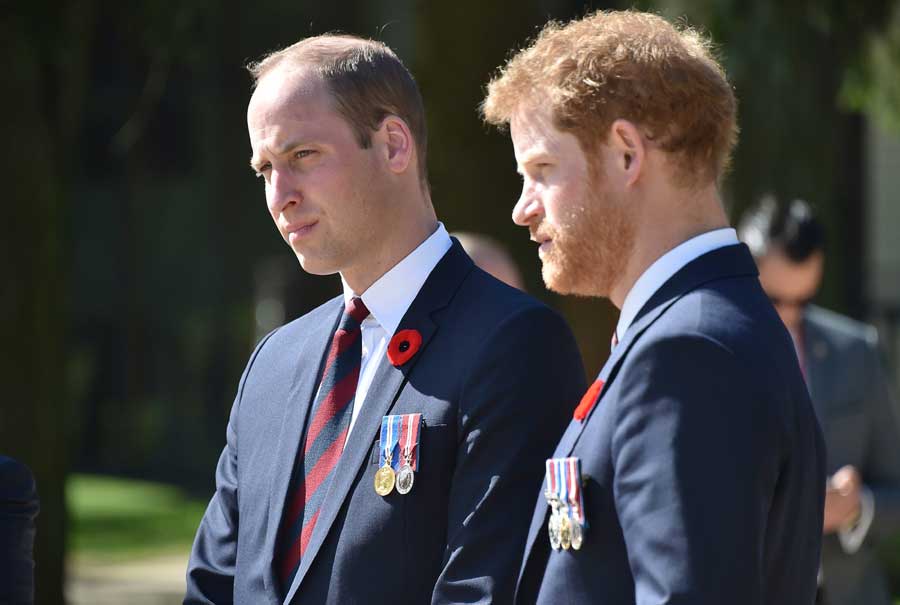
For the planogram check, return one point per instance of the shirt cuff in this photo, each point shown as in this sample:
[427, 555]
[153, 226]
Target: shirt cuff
[852, 536]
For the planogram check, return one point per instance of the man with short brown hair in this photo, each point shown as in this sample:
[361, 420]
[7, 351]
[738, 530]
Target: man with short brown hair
[384, 447]
[693, 469]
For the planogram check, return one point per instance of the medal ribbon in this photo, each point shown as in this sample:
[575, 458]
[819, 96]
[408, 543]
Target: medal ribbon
[562, 483]
[410, 439]
[574, 468]
[390, 435]
[551, 476]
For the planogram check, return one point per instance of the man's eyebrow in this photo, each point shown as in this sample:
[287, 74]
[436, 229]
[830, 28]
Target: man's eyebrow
[280, 150]
[531, 156]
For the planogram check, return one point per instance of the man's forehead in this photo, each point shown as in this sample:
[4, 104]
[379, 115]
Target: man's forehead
[285, 88]
[534, 133]
[284, 98]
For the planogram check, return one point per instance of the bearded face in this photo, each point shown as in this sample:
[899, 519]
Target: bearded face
[584, 231]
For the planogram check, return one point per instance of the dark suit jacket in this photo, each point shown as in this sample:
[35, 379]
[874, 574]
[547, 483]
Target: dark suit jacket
[859, 417]
[705, 464]
[18, 509]
[496, 379]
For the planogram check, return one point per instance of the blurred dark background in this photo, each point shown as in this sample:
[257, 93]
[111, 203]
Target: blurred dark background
[139, 262]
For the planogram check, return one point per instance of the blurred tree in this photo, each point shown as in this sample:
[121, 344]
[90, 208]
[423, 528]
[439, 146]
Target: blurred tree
[796, 66]
[872, 84]
[458, 48]
[40, 115]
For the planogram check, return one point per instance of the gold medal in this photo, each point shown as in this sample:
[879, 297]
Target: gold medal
[384, 479]
[405, 479]
[565, 529]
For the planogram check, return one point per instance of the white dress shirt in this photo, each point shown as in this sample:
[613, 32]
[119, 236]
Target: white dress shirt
[665, 267]
[388, 299]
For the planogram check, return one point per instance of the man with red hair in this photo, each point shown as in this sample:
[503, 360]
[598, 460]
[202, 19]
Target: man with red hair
[693, 471]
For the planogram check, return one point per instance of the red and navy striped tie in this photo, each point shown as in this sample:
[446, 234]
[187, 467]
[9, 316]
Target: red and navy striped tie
[325, 436]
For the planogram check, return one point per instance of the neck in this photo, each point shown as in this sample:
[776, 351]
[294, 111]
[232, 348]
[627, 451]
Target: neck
[402, 236]
[665, 222]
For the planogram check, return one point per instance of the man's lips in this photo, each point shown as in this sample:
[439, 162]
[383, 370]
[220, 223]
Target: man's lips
[298, 231]
[543, 241]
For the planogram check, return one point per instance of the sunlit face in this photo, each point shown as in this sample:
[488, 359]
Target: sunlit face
[323, 190]
[790, 285]
[584, 232]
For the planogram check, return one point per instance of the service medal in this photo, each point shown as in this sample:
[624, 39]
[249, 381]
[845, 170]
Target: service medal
[553, 528]
[405, 479]
[575, 499]
[565, 530]
[385, 477]
[409, 441]
[553, 500]
[384, 480]
[577, 535]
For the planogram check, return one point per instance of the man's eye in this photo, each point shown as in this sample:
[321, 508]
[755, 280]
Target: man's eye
[262, 170]
[304, 153]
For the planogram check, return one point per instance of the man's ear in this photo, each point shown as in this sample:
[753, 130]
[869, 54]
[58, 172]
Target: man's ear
[629, 152]
[397, 142]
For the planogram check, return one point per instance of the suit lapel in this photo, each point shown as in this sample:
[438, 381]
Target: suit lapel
[436, 293]
[731, 261]
[296, 410]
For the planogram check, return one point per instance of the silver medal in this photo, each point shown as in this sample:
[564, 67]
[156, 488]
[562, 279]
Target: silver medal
[405, 479]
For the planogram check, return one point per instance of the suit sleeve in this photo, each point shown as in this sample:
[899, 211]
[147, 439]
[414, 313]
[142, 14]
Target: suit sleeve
[210, 572]
[881, 471]
[518, 397]
[696, 453]
[18, 509]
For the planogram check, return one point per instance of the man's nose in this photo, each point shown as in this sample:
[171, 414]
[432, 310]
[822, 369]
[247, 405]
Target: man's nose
[282, 191]
[527, 208]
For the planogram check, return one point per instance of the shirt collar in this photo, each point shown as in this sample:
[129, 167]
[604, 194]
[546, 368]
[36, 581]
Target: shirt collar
[665, 267]
[391, 295]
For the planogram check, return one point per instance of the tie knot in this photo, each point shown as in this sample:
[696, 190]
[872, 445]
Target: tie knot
[356, 309]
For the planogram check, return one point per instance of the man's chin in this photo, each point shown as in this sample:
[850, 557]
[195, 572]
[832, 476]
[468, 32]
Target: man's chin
[564, 281]
[315, 266]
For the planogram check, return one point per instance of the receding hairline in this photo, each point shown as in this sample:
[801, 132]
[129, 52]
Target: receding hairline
[312, 52]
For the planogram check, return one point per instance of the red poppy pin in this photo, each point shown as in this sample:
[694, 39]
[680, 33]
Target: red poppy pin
[403, 346]
[589, 400]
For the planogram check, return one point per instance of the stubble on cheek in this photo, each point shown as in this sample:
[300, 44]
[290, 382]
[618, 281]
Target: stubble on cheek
[590, 248]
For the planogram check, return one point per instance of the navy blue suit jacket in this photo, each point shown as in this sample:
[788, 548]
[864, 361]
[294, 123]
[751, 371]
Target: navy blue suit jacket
[496, 379]
[703, 462]
[18, 509]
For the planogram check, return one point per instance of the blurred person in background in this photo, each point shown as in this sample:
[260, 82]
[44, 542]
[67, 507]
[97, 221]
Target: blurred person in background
[693, 470]
[842, 365]
[490, 256]
[18, 510]
[315, 500]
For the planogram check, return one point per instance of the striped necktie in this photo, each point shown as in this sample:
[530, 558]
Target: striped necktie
[326, 434]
